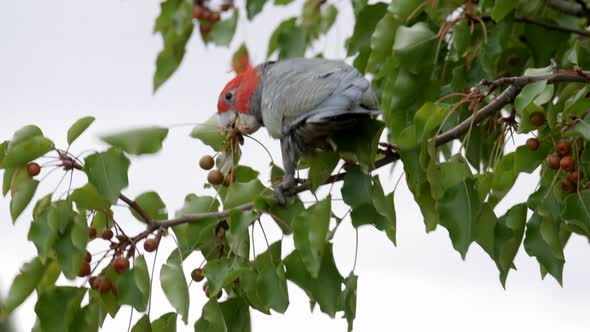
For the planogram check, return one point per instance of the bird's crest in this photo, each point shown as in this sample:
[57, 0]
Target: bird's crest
[242, 86]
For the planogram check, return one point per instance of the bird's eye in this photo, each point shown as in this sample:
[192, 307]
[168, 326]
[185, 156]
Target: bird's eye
[228, 95]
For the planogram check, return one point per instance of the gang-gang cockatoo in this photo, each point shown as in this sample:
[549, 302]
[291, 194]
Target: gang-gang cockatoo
[301, 102]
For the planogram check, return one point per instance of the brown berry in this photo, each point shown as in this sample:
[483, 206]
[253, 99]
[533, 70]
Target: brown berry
[206, 15]
[91, 281]
[84, 269]
[563, 148]
[537, 119]
[206, 162]
[88, 257]
[575, 177]
[102, 284]
[107, 234]
[121, 264]
[33, 169]
[91, 233]
[214, 17]
[567, 163]
[532, 143]
[553, 161]
[121, 238]
[227, 6]
[197, 274]
[198, 12]
[205, 28]
[229, 179]
[150, 245]
[567, 185]
[215, 177]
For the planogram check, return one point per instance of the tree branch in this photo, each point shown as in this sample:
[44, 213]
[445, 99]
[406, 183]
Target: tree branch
[550, 26]
[569, 8]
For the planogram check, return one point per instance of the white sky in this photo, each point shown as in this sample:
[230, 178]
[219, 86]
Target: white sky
[60, 60]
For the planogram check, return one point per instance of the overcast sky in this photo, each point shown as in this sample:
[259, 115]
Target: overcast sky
[60, 60]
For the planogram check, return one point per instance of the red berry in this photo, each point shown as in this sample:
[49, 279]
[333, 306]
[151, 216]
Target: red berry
[567, 185]
[198, 12]
[537, 119]
[205, 28]
[33, 169]
[84, 269]
[102, 284]
[575, 177]
[150, 245]
[107, 234]
[87, 257]
[226, 6]
[214, 17]
[567, 163]
[91, 233]
[563, 148]
[532, 143]
[121, 264]
[197, 274]
[553, 161]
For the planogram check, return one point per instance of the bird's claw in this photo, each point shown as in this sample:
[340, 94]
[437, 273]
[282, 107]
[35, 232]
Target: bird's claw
[283, 189]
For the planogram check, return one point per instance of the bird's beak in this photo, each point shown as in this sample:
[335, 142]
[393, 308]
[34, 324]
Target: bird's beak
[228, 119]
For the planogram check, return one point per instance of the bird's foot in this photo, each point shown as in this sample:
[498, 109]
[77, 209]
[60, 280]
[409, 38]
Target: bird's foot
[284, 189]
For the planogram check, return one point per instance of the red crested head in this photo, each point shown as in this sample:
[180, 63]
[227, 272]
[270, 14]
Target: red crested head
[237, 93]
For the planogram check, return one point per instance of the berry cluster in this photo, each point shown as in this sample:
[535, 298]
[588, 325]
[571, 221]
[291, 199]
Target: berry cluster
[562, 159]
[208, 17]
[197, 276]
[215, 176]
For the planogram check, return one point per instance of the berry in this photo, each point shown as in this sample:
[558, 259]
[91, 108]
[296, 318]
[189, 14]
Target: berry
[88, 257]
[206, 15]
[553, 161]
[532, 143]
[575, 177]
[150, 245]
[214, 17]
[567, 185]
[567, 163]
[91, 233]
[215, 177]
[205, 28]
[226, 6]
[84, 269]
[563, 148]
[121, 264]
[33, 169]
[121, 238]
[513, 60]
[537, 119]
[197, 274]
[198, 12]
[206, 162]
[229, 179]
[107, 234]
[102, 284]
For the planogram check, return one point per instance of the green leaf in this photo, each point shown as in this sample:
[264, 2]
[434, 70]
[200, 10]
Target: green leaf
[223, 31]
[271, 281]
[322, 165]
[527, 160]
[328, 18]
[382, 41]
[107, 171]
[138, 141]
[152, 204]
[385, 208]
[486, 225]
[189, 235]
[23, 285]
[253, 7]
[582, 129]
[245, 173]
[241, 193]
[88, 318]
[528, 94]
[348, 299]
[577, 209]
[221, 272]
[70, 247]
[23, 134]
[42, 235]
[88, 198]
[502, 8]
[236, 314]
[3, 148]
[79, 127]
[57, 307]
[326, 288]
[174, 284]
[458, 209]
[166, 323]
[19, 154]
[361, 141]
[21, 197]
[134, 285]
[7, 179]
[508, 236]
[175, 24]
[542, 241]
[143, 325]
[210, 133]
[414, 46]
[356, 190]
[274, 43]
[41, 205]
[365, 24]
[211, 318]
[284, 215]
[310, 229]
[402, 9]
